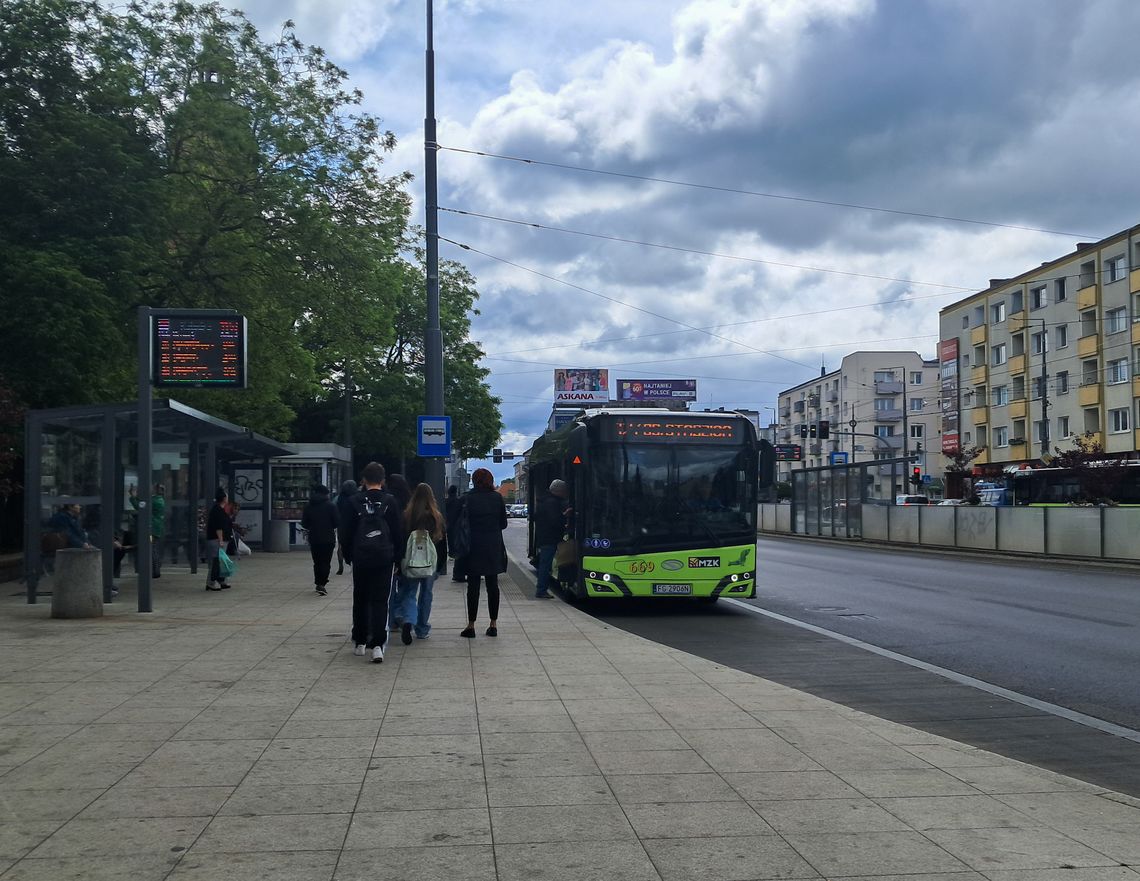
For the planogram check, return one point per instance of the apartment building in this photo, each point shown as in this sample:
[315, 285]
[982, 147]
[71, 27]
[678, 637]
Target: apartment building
[878, 405]
[1033, 361]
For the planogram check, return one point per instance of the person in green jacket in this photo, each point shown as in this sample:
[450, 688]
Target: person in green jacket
[157, 525]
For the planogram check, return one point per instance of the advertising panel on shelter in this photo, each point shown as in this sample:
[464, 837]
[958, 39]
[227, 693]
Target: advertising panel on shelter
[582, 385]
[656, 389]
[948, 371]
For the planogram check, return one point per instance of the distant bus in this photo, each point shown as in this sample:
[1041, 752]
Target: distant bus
[664, 502]
[1062, 486]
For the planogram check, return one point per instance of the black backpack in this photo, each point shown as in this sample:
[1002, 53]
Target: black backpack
[372, 544]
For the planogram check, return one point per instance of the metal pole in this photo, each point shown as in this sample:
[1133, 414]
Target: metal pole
[1044, 391]
[433, 335]
[145, 482]
[108, 510]
[33, 499]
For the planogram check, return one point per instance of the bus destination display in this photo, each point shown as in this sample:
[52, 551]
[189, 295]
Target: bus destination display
[199, 350]
[666, 429]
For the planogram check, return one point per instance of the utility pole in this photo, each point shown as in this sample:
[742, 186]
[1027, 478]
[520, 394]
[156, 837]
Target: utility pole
[433, 335]
[1044, 390]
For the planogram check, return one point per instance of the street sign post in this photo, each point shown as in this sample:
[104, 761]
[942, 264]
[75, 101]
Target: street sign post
[433, 437]
[837, 458]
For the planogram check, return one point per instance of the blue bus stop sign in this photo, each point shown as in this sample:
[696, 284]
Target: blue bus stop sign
[433, 436]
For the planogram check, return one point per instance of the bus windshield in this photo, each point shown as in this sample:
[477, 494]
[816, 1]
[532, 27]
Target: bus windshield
[649, 496]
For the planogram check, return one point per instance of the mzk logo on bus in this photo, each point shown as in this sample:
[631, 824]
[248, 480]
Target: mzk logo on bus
[704, 562]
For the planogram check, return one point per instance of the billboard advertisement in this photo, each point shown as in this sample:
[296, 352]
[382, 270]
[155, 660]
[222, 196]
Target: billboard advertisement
[656, 389]
[948, 366]
[588, 385]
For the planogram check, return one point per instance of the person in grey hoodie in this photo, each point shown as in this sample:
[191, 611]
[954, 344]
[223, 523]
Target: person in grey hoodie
[321, 519]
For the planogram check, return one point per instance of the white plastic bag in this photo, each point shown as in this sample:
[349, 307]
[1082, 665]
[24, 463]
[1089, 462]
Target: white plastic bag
[243, 549]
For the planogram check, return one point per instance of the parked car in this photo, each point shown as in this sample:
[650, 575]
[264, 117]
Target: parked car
[952, 502]
[912, 500]
[516, 510]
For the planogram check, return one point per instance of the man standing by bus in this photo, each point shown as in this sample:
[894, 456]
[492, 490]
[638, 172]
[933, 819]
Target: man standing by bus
[549, 527]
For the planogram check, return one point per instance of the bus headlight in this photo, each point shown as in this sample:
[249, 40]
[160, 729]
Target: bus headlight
[735, 577]
[606, 577]
[593, 574]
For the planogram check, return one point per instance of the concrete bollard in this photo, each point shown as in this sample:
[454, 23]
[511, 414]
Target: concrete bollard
[77, 586]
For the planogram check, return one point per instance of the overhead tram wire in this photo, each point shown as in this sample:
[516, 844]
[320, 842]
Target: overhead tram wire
[618, 302]
[760, 194]
[593, 235]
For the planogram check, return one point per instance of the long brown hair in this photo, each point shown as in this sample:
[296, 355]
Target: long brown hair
[423, 513]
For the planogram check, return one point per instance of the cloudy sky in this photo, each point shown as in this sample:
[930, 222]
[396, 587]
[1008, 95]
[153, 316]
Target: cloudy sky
[1015, 122]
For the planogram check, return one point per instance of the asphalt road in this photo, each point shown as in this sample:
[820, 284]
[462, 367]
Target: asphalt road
[1068, 635]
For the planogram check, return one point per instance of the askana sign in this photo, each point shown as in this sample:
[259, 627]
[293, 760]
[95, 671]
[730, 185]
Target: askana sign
[581, 385]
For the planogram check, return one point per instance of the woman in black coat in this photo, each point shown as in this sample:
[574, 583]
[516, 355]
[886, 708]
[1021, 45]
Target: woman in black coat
[321, 520]
[487, 515]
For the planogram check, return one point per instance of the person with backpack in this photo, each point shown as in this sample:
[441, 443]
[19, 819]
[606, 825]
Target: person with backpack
[375, 541]
[343, 510]
[424, 527]
[486, 556]
[321, 519]
[398, 487]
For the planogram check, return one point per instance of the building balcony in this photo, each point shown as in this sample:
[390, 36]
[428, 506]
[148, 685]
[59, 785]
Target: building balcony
[785, 412]
[892, 441]
[1136, 390]
[979, 374]
[888, 387]
[833, 397]
[1088, 346]
[983, 457]
[1097, 437]
[1089, 395]
[978, 335]
[1087, 297]
[815, 449]
[1017, 409]
[1134, 281]
[1136, 329]
[888, 415]
[1016, 363]
[798, 406]
[1018, 448]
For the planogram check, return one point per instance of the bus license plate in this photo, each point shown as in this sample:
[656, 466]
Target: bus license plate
[673, 589]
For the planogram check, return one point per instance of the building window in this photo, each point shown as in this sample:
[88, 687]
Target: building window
[1115, 268]
[1118, 420]
[1061, 332]
[998, 353]
[1090, 372]
[1001, 395]
[1018, 432]
[1040, 342]
[997, 313]
[979, 316]
[1038, 297]
[1017, 341]
[916, 377]
[1115, 320]
[917, 431]
[884, 404]
[1062, 426]
[1063, 382]
[1039, 428]
[1117, 371]
[967, 436]
[917, 403]
[1038, 385]
[884, 376]
[1088, 323]
[1088, 274]
[884, 430]
[1001, 436]
[1059, 292]
[980, 356]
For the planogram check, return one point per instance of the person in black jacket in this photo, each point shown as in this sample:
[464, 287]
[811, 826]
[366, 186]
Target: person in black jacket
[343, 509]
[372, 556]
[487, 514]
[450, 511]
[549, 527]
[321, 519]
[219, 530]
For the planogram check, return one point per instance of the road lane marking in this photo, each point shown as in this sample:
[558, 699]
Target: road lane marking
[952, 675]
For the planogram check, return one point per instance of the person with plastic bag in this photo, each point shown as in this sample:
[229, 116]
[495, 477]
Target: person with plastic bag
[219, 531]
[423, 524]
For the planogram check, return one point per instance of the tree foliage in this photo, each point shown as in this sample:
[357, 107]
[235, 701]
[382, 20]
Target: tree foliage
[961, 458]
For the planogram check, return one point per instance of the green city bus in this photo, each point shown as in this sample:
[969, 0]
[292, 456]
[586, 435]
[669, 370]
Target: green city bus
[664, 502]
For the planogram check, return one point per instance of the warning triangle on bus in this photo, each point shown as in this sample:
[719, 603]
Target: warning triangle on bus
[577, 460]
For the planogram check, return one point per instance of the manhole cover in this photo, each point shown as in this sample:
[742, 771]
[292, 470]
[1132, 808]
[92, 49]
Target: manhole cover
[827, 608]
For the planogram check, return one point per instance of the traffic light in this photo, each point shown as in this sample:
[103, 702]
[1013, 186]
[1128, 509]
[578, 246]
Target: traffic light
[916, 475]
[803, 430]
[824, 429]
[811, 430]
[496, 455]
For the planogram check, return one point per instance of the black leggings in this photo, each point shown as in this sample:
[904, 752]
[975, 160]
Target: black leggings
[473, 596]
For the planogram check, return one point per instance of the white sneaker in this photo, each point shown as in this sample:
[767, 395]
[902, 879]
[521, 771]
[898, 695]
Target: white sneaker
[378, 655]
[359, 651]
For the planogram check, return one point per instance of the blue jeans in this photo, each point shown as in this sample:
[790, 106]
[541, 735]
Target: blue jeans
[414, 602]
[545, 569]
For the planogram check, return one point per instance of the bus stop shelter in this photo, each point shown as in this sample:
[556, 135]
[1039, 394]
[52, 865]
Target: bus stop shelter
[88, 455]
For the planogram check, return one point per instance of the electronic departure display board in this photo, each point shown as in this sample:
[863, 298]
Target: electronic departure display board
[198, 348]
[672, 429]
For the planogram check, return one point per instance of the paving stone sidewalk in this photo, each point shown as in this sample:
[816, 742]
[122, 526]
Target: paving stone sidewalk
[234, 736]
